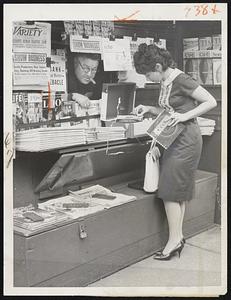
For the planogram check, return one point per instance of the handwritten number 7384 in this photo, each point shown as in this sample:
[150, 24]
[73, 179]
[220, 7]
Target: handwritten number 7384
[202, 10]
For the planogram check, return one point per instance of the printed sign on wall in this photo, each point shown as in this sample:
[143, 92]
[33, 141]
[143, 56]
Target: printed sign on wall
[31, 48]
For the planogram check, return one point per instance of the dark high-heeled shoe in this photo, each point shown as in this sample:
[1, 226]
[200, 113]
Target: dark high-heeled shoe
[168, 256]
[183, 241]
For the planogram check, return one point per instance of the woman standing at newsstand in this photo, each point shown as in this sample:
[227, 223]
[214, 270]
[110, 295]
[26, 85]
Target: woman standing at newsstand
[185, 99]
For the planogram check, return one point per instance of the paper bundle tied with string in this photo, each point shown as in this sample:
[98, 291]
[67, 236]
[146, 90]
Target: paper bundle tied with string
[151, 178]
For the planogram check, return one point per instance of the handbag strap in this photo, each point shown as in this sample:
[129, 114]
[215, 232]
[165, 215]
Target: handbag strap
[155, 154]
[153, 144]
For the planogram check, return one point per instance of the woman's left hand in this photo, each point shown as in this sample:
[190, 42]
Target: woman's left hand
[177, 118]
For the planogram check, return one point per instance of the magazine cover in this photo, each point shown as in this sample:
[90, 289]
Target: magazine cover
[164, 134]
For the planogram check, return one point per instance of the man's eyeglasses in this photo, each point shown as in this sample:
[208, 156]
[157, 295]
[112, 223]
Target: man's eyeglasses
[87, 69]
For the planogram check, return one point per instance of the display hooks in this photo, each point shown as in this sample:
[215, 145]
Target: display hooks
[134, 38]
[84, 36]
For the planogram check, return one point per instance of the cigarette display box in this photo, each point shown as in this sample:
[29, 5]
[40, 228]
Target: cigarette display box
[117, 99]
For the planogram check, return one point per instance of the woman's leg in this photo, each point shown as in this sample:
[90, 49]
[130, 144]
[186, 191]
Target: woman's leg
[174, 217]
[182, 206]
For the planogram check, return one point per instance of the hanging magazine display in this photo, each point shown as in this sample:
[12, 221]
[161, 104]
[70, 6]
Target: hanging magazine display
[31, 49]
[80, 44]
[116, 55]
[58, 74]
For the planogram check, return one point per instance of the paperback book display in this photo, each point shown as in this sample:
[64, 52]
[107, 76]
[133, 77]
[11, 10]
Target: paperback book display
[205, 43]
[190, 44]
[89, 28]
[216, 42]
[202, 59]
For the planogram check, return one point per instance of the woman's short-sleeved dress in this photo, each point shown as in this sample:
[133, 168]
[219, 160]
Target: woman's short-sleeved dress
[180, 161]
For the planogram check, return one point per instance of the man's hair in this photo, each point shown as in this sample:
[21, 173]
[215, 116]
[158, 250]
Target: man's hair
[147, 56]
[93, 56]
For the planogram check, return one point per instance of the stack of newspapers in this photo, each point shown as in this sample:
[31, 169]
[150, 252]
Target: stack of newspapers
[95, 198]
[43, 139]
[207, 126]
[109, 133]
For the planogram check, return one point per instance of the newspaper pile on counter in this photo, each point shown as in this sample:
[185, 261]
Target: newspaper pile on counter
[207, 126]
[43, 139]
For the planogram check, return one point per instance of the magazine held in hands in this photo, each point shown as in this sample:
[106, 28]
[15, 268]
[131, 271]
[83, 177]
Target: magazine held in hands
[161, 132]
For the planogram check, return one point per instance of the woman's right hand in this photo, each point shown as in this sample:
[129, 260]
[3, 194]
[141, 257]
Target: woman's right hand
[140, 110]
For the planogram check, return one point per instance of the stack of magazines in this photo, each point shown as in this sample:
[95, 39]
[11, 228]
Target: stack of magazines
[207, 126]
[62, 210]
[33, 219]
[42, 139]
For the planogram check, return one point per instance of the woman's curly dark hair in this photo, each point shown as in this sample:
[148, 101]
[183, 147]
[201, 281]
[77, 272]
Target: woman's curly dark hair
[147, 56]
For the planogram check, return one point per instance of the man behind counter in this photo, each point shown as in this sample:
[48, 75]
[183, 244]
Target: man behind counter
[83, 69]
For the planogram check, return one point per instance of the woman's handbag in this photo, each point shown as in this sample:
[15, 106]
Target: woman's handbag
[151, 178]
